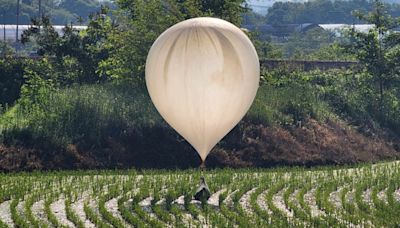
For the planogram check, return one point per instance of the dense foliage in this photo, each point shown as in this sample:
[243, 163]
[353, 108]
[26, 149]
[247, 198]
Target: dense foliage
[379, 52]
[142, 22]
[11, 79]
[74, 55]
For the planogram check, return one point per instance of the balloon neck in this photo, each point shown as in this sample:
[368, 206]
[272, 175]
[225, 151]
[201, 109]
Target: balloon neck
[202, 166]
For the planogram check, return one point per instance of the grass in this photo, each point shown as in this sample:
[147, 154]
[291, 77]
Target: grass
[101, 122]
[287, 105]
[92, 112]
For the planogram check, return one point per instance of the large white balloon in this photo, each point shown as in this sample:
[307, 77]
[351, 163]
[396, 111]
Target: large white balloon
[202, 75]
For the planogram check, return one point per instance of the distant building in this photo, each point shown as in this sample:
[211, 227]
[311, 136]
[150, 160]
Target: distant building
[283, 30]
[338, 28]
[8, 32]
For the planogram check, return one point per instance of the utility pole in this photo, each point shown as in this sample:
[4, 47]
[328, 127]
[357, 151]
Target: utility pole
[40, 14]
[16, 34]
[4, 26]
[4, 33]
[40, 9]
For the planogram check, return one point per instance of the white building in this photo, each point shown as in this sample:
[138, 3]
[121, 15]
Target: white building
[8, 32]
[338, 28]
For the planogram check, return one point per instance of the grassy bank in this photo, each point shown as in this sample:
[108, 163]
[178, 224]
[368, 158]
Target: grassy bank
[297, 118]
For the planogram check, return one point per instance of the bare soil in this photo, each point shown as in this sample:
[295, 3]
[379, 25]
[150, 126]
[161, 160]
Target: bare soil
[247, 145]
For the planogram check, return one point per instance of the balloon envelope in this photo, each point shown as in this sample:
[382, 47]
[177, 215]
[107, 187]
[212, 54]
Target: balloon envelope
[202, 75]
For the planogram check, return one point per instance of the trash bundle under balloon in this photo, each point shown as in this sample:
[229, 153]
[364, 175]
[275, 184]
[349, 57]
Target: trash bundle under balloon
[202, 75]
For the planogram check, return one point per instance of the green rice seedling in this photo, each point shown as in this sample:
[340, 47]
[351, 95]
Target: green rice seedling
[128, 215]
[50, 215]
[107, 216]
[141, 213]
[279, 218]
[93, 217]
[28, 212]
[18, 220]
[237, 205]
[71, 214]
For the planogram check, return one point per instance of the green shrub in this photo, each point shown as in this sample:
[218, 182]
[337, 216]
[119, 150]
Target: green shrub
[11, 79]
[285, 103]
[92, 112]
[287, 96]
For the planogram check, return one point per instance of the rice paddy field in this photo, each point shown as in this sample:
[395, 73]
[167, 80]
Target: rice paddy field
[361, 196]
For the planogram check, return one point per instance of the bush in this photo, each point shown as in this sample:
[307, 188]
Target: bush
[11, 79]
[287, 105]
[290, 95]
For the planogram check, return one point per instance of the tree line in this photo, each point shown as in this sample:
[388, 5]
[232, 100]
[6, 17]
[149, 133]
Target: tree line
[319, 11]
[61, 12]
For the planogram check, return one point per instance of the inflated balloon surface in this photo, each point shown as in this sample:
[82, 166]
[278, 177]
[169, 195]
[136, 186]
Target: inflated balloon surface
[202, 75]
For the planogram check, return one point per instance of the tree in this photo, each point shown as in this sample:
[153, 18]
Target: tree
[75, 54]
[11, 79]
[142, 21]
[301, 44]
[378, 50]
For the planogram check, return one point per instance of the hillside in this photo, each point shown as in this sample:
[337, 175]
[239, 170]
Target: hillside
[111, 126]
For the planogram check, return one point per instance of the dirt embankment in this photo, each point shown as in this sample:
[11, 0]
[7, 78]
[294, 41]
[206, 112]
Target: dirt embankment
[312, 144]
[248, 145]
